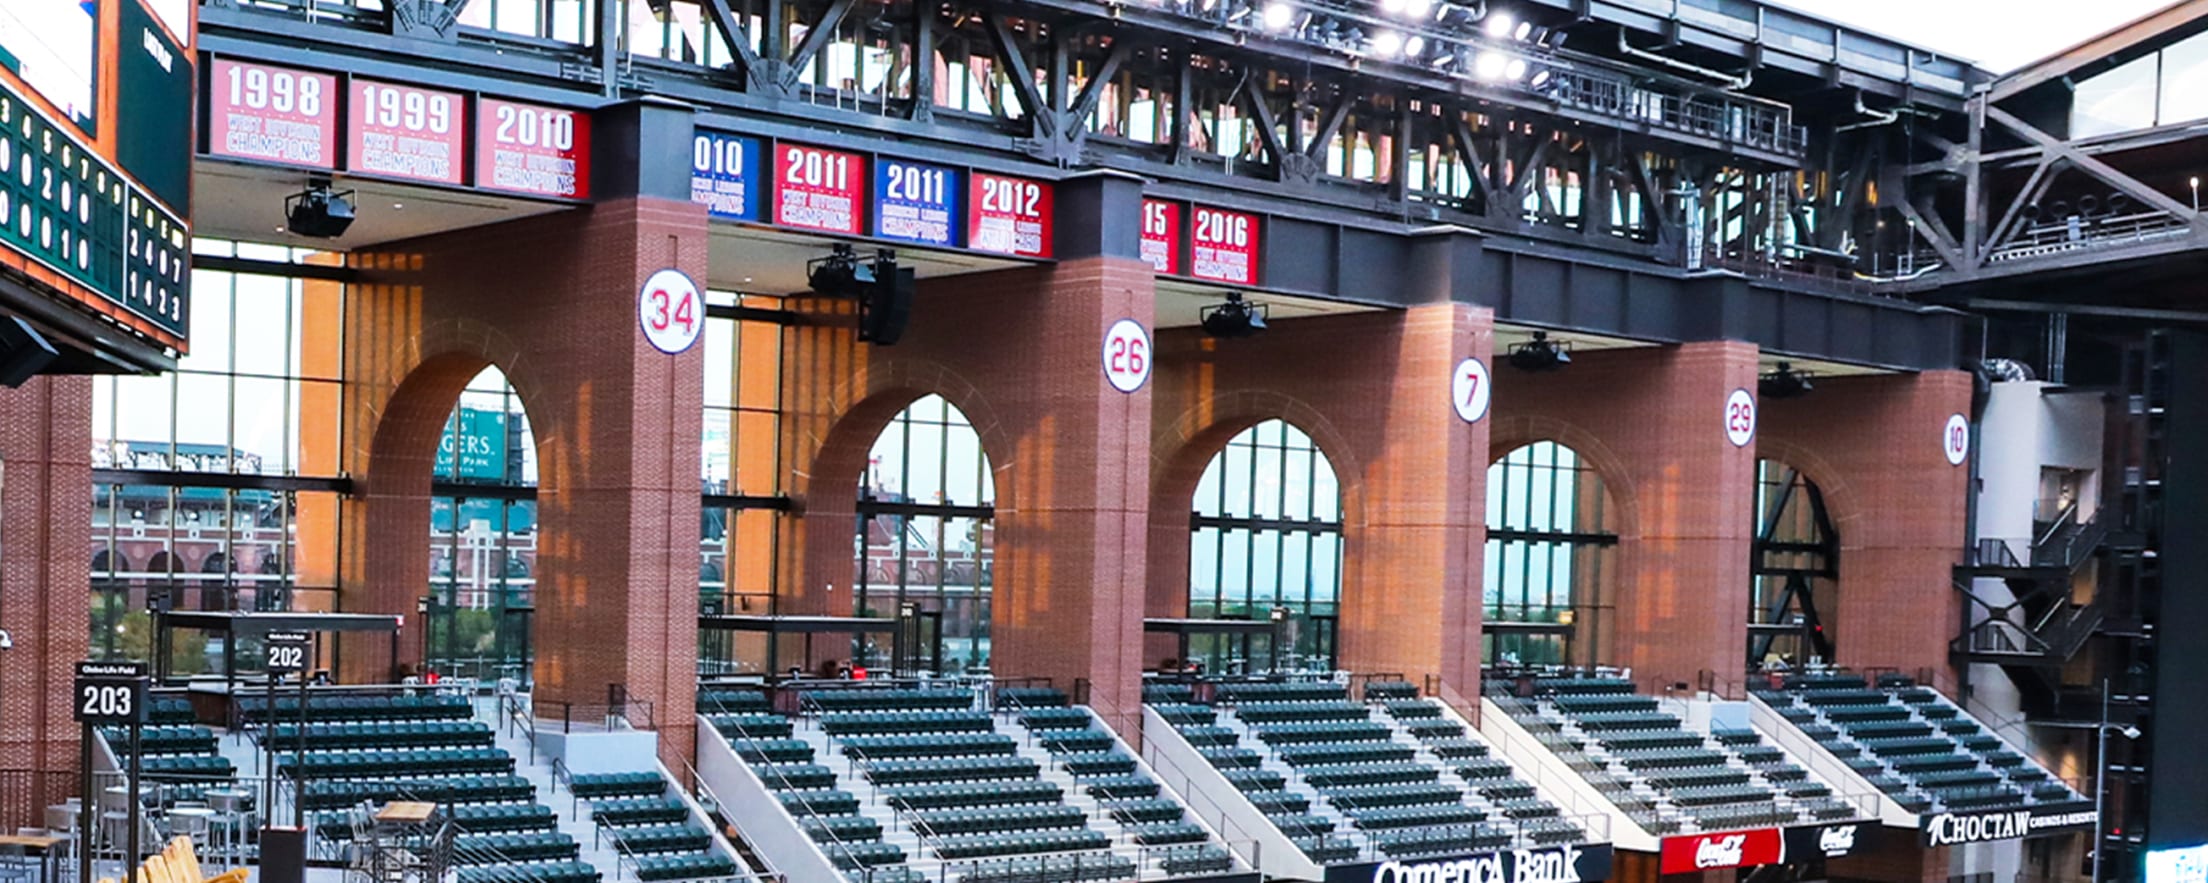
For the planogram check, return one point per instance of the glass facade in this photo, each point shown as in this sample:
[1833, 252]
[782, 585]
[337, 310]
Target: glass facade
[926, 542]
[1551, 542]
[1796, 565]
[482, 536]
[1266, 535]
[739, 474]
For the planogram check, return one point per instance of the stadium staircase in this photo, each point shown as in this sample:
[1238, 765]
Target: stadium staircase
[883, 784]
[1915, 748]
[1321, 779]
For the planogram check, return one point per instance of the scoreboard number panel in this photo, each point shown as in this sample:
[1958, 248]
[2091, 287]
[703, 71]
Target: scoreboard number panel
[393, 130]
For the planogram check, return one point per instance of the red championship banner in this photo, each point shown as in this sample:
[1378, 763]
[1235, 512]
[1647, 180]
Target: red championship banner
[1690, 853]
[1161, 236]
[265, 113]
[407, 132]
[1009, 216]
[532, 149]
[1225, 246]
[819, 189]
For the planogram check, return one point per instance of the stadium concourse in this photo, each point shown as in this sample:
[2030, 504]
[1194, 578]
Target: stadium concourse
[1039, 441]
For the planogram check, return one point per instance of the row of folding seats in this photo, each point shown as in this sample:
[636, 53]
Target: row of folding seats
[639, 811]
[1589, 703]
[360, 708]
[371, 735]
[1185, 861]
[1581, 686]
[643, 839]
[795, 776]
[168, 710]
[685, 866]
[1741, 815]
[1031, 697]
[1289, 712]
[1402, 794]
[1645, 740]
[1411, 709]
[947, 745]
[1391, 773]
[1441, 840]
[825, 802]
[1033, 817]
[1696, 777]
[369, 764]
[772, 750]
[1669, 758]
[1167, 694]
[751, 725]
[1331, 731]
[1292, 691]
[1390, 690]
[1847, 714]
[1842, 697]
[950, 769]
[1455, 747]
[542, 872]
[1097, 763]
[1168, 833]
[1178, 713]
[1332, 753]
[946, 795]
[532, 847]
[1598, 721]
[994, 845]
[333, 794]
[727, 700]
[1054, 719]
[876, 861]
[596, 786]
[1415, 816]
[876, 723]
[1050, 869]
[1711, 795]
[887, 699]
[1908, 745]
[187, 767]
[164, 739]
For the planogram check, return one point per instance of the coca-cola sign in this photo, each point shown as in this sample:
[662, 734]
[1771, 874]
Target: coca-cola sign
[1836, 840]
[1722, 849]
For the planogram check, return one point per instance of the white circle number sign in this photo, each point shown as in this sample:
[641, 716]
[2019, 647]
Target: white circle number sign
[670, 312]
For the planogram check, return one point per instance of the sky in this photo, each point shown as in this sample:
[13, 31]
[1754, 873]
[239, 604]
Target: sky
[2000, 35]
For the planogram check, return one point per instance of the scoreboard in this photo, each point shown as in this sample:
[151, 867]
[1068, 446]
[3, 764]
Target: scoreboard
[96, 111]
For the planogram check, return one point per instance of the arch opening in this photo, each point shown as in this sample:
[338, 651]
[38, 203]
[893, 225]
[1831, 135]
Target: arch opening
[1265, 543]
[1551, 564]
[925, 544]
[1794, 572]
[482, 536]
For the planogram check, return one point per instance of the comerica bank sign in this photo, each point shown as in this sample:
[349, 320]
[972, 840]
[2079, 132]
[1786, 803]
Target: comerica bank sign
[1585, 863]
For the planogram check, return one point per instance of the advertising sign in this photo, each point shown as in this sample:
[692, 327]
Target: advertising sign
[819, 189]
[532, 149]
[1838, 840]
[1224, 245]
[473, 446]
[1949, 828]
[2188, 864]
[724, 176]
[914, 202]
[1578, 863]
[266, 113]
[1691, 853]
[406, 132]
[1161, 236]
[1010, 216]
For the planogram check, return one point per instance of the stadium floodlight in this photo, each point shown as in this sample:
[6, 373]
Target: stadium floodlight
[1387, 44]
[1490, 65]
[1499, 24]
[1278, 15]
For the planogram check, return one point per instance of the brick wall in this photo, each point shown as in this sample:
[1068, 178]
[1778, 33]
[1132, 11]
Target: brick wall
[45, 574]
[551, 301]
[1373, 392]
[1651, 422]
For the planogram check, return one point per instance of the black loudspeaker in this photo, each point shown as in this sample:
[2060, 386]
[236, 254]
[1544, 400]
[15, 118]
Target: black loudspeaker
[23, 352]
[888, 303]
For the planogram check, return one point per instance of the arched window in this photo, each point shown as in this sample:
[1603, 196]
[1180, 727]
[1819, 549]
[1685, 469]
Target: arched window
[1795, 570]
[482, 535]
[1550, 541]
[1266, 535]
[925, 547]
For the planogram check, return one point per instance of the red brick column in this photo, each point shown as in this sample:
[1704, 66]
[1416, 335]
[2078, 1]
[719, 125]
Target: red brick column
[1018, 351]
[551, 301]
[1874, 447]
[1373, 392]
[1651, 422]
[45, 583]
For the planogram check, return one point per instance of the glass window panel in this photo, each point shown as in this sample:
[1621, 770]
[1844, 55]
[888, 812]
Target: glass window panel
[203, 424]
[264, 324]
[2118, 101]
[210, 323]
[261, 427]
[2185, 80]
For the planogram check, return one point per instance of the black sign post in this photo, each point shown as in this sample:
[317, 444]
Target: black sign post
[108, 694]
[287, 654]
